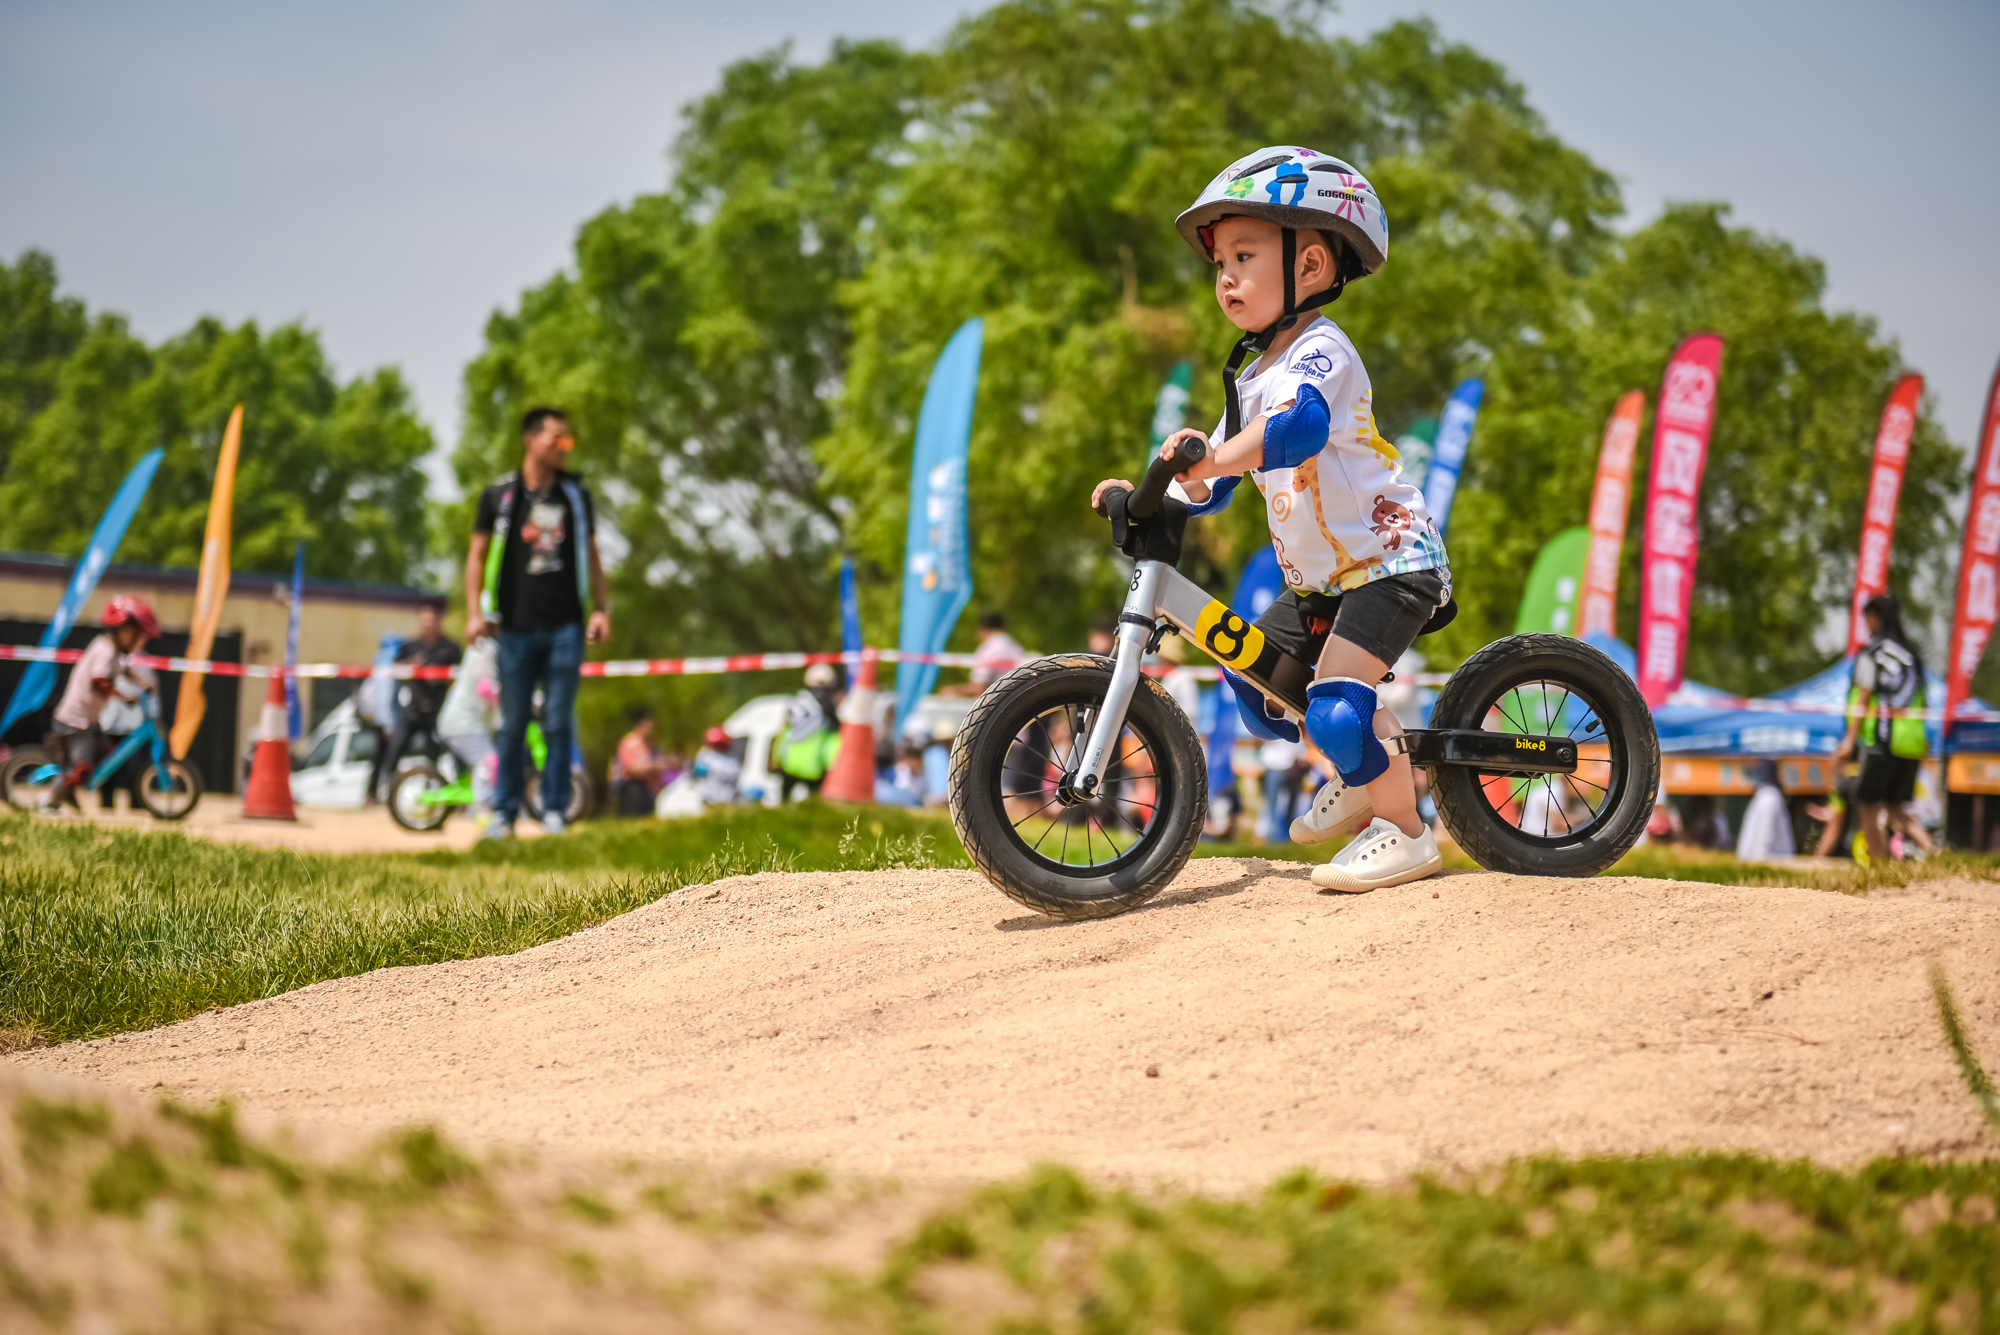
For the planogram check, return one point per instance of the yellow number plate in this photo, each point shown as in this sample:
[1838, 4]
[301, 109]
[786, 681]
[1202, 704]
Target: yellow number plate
[1228, 637]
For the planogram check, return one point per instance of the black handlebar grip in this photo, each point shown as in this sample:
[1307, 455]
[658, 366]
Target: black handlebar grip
[1146, 500]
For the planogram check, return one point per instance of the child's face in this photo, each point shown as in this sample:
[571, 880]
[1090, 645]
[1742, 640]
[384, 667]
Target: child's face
[127, 636]
[1250, 275]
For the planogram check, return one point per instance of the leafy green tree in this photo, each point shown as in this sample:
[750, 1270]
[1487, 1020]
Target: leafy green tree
[1801, 393]
[334, 465]
[1058, 141]
[38, 331]
[696, 345]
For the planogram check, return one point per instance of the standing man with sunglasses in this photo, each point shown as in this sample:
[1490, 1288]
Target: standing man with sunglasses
[531, 572]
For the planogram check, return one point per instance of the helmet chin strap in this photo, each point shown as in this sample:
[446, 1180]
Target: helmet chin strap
[1260, 341]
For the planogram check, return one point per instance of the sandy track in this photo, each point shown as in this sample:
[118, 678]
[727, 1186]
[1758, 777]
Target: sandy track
[917, 1023]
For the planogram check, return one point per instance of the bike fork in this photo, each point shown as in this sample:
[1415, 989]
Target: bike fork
[1135, 627]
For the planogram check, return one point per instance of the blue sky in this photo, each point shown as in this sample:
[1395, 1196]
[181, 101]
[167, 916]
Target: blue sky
[392, 172]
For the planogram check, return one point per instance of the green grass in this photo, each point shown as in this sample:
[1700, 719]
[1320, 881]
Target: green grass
[104, 930]
[1660, 1243]
[805, 836]
[177, 1218]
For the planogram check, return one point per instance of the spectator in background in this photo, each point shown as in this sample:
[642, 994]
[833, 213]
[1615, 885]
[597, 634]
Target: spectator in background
[638, 770]
[1767, 824]
[531, 571]
[811, 740]
[1888, 676]
[718, 770]
[937, 765]
[1103, 636]
[418, 700]
[899, 782]
[998, 654]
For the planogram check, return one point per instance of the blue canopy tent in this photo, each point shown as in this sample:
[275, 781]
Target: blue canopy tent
[1710, 723]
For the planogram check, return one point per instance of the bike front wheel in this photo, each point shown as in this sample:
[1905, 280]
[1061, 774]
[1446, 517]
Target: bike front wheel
[407, 806]
[1574, 824]
[1014, 804]
[170, 791]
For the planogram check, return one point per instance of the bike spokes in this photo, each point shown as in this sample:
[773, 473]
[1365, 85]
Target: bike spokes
[1057, 823]
[1553, 806]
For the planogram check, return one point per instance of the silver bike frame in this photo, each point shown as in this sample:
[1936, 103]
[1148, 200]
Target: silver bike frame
[1158, 593]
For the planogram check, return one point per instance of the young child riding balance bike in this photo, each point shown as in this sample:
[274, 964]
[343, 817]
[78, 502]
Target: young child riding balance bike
[1365, 569]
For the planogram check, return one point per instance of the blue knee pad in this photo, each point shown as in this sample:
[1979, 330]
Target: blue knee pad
[1340, 718]
[1250, 704]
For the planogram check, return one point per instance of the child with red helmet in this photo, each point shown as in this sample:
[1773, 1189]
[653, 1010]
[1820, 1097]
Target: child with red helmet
[93, 683]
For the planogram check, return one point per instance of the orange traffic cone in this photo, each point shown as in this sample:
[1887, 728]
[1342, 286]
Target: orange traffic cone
[269, 795]
[852, 778]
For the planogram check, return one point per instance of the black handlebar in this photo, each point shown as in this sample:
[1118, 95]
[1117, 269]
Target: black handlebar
[1145, 502]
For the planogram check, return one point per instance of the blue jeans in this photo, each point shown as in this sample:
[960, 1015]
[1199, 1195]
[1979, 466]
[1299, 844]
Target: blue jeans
[551, 659]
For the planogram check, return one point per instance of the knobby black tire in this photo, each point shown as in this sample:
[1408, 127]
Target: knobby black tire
[1147, 866]
[1635, 750]
[183, 773]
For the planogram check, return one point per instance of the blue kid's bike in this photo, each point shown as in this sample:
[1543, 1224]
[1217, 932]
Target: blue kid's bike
[31, 780]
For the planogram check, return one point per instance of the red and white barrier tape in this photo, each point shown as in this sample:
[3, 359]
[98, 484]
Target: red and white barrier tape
[617, 667]
[689, 667]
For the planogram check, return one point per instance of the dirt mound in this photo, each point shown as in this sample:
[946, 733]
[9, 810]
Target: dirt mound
[917, 1023]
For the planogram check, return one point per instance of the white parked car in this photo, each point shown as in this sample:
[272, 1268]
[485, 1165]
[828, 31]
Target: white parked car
[331, 768]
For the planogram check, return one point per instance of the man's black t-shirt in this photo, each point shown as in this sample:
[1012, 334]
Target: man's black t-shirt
[426, 695]
[538, 584]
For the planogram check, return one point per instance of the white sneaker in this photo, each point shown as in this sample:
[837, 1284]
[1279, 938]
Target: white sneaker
[498, 829]
[1380, 855]
[552, 823]
[1337, 810]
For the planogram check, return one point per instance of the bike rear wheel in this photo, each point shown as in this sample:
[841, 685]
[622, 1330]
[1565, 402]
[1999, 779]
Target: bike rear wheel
[170, 791]
[18, 786]
[1549, 824]
[1015, 809]
[406, 806]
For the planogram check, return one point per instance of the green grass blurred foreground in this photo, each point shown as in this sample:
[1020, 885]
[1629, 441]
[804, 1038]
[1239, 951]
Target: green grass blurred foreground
[175, 1218]
[105, 930]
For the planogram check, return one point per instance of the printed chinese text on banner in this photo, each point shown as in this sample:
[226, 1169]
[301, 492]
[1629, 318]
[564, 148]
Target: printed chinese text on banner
[210, 591]
[1979, 566]
[937, 557]
[39, 680]
[1454, 436]
[1885, 488]
[1666, 570]
[1610, 502]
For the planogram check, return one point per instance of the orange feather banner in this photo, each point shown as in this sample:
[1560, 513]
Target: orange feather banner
[211, 590]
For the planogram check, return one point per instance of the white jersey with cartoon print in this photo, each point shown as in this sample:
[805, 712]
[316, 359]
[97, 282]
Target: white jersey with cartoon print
[1345, 516]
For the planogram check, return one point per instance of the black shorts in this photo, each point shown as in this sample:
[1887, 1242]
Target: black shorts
[1383, 616]
[1887, 779]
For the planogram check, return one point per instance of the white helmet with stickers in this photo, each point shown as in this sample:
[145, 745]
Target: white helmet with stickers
[1294, 188]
